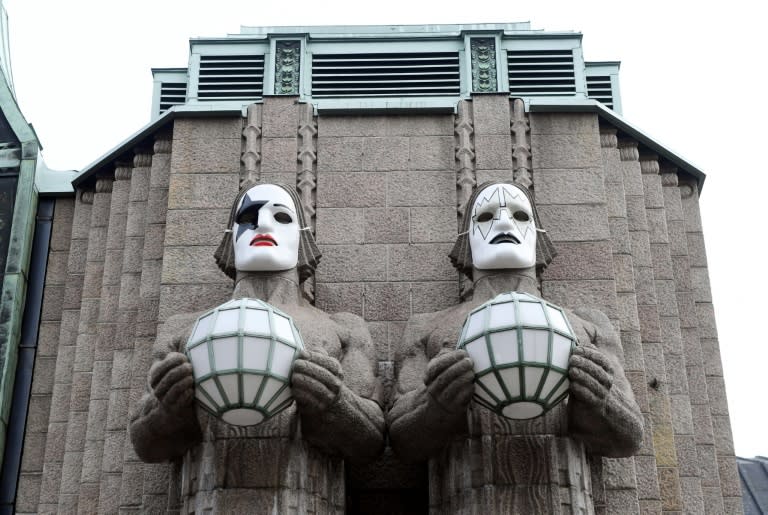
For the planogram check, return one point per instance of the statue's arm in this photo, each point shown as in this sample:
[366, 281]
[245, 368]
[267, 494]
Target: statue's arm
[164, 425]
[432, 397]
[339, 400]
[602, 411]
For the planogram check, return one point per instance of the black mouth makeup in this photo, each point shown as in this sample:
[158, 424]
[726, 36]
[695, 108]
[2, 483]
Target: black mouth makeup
[505, 237]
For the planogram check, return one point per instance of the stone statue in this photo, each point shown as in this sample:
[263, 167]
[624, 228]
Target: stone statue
[481, 462]
[295, 460]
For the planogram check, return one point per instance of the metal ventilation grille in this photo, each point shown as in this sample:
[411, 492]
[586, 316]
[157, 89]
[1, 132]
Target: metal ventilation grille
[599, 88]
[231, 77]
[534, 73]
[385, 75]
[172, 94]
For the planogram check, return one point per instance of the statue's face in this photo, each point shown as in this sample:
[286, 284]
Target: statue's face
[266, 230]
[502, 233]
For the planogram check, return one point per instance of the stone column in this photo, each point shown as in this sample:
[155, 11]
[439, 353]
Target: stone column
[87, 342]
[685, 442]
[62, 387]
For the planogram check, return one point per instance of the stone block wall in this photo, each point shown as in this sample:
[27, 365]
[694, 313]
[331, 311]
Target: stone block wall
[383, 194]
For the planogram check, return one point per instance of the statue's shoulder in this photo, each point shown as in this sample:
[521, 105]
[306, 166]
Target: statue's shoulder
[174, 332]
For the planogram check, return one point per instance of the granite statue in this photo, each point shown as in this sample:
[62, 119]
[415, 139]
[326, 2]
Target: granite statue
[479, 459]
[294, 461]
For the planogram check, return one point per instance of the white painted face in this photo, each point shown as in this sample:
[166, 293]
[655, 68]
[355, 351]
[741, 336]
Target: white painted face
[502, 233]
[266, 230]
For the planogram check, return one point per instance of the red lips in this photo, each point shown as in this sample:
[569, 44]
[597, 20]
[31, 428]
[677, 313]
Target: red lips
[263, 240]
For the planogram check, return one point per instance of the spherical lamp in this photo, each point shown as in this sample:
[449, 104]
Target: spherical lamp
[241, 354]
[520, 346]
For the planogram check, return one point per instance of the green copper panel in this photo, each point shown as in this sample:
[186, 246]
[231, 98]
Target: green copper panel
[287, 67]
[483, 65]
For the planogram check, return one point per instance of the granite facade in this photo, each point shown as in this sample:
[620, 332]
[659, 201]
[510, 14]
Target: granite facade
[135, 248]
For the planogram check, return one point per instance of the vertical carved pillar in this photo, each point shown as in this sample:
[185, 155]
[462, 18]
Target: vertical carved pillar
[306, 181]
[251, 157]
[83, 375]
[521, 145]
[615, 480]
[465, 156]
[720, 479]
[107, 325]
[685, 444]
[53, 463]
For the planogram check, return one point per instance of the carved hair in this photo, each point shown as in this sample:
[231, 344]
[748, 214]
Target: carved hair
[461, 253]
[309, 254]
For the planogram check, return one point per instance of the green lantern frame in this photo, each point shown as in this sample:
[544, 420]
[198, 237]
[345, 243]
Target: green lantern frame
[268, 398]
[552, 385]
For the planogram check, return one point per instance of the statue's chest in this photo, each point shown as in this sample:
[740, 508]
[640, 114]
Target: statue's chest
[318, 333]
[446, 332]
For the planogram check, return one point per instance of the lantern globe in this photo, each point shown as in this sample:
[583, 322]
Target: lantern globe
[520, 346]
[242, 353]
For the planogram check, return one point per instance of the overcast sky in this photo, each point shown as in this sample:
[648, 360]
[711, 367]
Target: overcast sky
[692, 77]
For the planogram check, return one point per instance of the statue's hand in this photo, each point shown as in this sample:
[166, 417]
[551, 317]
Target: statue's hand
[316, 381]
[591, 375]
[172, 382]
[449, 379]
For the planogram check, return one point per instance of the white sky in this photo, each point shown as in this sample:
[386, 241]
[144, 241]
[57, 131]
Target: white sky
[692, 77]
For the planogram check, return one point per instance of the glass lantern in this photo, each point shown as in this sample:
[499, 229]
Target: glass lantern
[241, 354]
[520, 346]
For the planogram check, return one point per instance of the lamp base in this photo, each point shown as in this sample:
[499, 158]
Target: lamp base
[522, 410]
[242, 417]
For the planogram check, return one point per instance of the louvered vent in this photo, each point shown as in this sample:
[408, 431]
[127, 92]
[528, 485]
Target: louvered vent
[599, 88]
[231, 77]
[172, 94]
[385, 75]
[534, 73]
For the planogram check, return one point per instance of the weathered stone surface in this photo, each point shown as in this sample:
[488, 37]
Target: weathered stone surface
[647, 481]
[351, 263]
[493, 175]
[415, 189]
[581, 260]
[337, 297]
[28, 492]
[657, 226]
[385, 153]
[427, 297]
[213, 128]
[431, 153]
[669, 485]
[202, 191]
[339, 154]
[563, 123]
[433, 224]
[428, 262]
[493, 152]
[191, 227]
[352, 190]
[575, 222]
[598, 294]
[697, 253]
[566, 151]
[206, 155]
[387, 301]
[341, 225]
[570, 187]
[279, 154]
[184, 265]
[385, 225]
[652, 189]
[619, 235]
[188, 298]
[491, 114]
